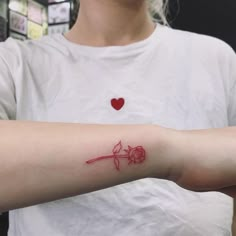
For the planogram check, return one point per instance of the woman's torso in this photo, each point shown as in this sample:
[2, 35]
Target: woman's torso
[168, 83]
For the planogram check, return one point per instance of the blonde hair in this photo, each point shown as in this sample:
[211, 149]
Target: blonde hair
[158, 10]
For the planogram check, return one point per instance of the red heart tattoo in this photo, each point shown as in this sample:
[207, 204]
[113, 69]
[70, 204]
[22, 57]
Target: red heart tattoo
[117, 104]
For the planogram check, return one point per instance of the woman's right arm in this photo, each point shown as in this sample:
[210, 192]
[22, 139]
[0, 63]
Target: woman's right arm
[42, 162]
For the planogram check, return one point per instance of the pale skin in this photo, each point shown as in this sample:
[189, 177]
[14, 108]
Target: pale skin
[42, 162]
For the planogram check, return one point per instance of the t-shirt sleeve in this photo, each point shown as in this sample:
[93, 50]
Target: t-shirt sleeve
[232, 90]
[7, 88]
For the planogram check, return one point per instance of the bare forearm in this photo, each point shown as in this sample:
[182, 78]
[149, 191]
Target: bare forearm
[41, 162]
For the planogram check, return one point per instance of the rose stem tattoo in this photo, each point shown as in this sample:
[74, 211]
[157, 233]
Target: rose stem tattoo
[134, 155]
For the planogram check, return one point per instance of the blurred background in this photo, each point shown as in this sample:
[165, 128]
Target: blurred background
[32, 19]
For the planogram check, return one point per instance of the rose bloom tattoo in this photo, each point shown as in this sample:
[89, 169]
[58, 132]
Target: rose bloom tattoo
[135, 155]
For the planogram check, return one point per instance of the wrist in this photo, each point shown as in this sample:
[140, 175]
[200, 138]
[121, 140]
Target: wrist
[168, 159]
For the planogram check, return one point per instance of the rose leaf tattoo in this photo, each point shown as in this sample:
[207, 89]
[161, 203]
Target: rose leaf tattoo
[134, 155]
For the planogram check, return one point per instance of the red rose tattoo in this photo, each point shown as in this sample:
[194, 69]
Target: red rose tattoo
[134, 155]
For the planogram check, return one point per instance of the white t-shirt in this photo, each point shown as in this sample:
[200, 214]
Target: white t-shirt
[173, 78]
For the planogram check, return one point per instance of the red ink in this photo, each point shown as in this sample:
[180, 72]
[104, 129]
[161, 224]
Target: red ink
[134, 155]
[117, 103]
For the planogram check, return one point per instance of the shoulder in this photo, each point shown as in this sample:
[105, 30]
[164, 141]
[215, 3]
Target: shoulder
[200, 44]
[9, 51]
[12, 47]
[198, 49]
[17, 54]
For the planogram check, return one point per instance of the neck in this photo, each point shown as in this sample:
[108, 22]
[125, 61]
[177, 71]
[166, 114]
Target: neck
[111, 22]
